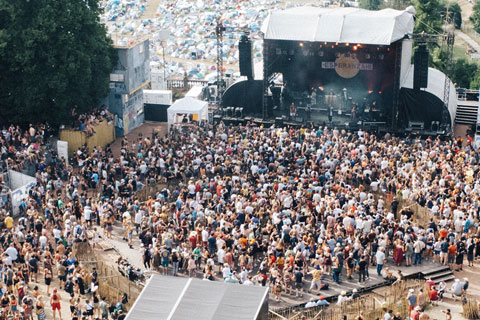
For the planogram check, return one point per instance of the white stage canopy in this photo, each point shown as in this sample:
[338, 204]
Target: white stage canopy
[342, 25]
[187, 106]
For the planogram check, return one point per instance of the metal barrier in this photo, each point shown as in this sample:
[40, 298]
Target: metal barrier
[171, 84]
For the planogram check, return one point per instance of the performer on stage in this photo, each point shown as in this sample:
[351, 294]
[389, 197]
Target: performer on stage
[293, 111]
[308, 111]
[330, 113]
[354, 110]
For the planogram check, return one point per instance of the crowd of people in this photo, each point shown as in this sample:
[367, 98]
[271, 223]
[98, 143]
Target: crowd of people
[87, 121]
[282, 207]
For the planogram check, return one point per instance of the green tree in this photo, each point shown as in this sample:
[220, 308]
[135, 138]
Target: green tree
[428, 15]
[397, 4]
[53, 55]
[475, 17]
[454, 14]
[370, 4]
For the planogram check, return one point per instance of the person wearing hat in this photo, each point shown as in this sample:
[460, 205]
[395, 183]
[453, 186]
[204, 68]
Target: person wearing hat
[415, 313]
[355, 294]
[342, 298]
[412, 300]
[322, 302]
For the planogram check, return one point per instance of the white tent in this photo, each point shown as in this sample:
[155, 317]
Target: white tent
[187, 106]
[343, 25]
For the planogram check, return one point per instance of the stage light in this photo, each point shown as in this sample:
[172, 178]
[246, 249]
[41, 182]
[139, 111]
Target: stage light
[321, 46]
[325, 42]
[358, 45]
[355, 48]
[321, 88]
[379, 92]
[370, 91]
[388, 49]
[333, 46]
[336, 43]
[301, 44]
[347, 44]
[378, 48]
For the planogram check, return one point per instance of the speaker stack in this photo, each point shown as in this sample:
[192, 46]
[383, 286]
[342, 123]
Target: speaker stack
[245, 57]
[420, 68]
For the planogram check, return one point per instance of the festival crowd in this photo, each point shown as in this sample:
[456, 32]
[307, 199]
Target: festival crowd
[252, 205]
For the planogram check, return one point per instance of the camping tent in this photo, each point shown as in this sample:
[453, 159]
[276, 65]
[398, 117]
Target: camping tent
[187, 106]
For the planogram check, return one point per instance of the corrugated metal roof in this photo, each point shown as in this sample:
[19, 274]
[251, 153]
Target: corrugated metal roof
[178, 298]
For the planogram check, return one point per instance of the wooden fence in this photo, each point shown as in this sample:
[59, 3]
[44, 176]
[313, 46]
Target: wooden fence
[104, 134]
[371, 306]
[112, 284]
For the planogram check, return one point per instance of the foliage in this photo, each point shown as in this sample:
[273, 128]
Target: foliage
[397, 4]
[428, 15]
[53, 55]
[370, 4]
[475, 17]
[455, 14]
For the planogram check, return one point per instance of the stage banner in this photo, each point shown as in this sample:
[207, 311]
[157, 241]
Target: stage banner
[347, 65]
[62, 150]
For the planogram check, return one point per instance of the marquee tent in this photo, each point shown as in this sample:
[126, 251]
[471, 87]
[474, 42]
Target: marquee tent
[340, 25]
[187, 106]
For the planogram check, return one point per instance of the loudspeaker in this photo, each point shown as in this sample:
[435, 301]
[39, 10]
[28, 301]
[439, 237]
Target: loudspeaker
[245, 57]
[420, 69]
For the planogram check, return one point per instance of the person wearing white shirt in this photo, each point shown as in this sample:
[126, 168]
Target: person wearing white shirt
[380, 259]
[12, 252]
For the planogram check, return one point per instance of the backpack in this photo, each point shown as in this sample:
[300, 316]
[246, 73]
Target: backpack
[324, 286]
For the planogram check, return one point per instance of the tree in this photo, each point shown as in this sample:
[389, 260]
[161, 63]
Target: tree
[428, 15]
[397, 4]
[475, 17]
[454, 14]
[54, 55]
[370, 4]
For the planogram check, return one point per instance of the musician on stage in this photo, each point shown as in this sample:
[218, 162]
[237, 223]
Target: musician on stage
[330, 113]
[308, 111]
[293, 111]
[354, 110]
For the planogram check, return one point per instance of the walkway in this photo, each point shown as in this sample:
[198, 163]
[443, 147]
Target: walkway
[472, 43]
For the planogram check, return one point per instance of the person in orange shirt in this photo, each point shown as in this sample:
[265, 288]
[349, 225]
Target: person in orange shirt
[452, 253]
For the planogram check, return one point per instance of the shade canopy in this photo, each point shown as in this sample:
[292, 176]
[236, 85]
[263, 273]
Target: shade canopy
[343, 25]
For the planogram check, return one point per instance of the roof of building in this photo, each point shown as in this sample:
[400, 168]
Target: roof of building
[166, 297]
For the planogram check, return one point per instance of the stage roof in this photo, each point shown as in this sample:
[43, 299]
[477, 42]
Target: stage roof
[343, 25]
[166, 297]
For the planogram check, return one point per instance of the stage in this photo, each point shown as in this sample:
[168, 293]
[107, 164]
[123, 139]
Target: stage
[343, 67]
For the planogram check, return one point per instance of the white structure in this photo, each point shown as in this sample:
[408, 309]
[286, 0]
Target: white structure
[20, 184]
[187, 106]
[163, 97]
[436, 86]
[339, 25]
[195, 92]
